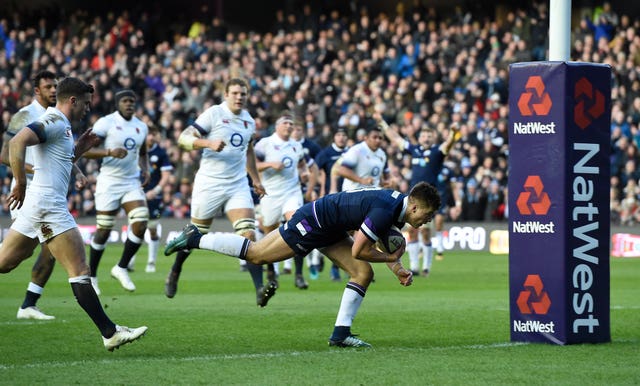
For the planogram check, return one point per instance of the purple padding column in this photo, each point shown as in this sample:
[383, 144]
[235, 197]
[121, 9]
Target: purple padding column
[559, 123]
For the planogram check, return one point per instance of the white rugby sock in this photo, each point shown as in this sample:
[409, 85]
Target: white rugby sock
[351, 300]
[153, 250]
[226, 243]
[413, 248]
[439, 245]
[427, 256]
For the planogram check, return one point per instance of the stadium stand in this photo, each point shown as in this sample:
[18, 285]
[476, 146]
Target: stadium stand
[426, 66]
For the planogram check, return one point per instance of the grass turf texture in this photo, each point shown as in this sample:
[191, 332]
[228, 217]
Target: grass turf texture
[449, 329]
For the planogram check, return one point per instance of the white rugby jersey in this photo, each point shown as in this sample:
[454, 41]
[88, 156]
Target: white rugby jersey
[22, 118]
[365, 163]
[290, 152]
[218, 122]
[118, 132]
[53, 157]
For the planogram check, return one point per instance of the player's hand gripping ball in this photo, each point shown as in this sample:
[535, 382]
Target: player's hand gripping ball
[390, 242]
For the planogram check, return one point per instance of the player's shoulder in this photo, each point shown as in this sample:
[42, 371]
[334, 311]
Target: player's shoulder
[139, 122]
[106, 119]
[18, 121]
[246, 116]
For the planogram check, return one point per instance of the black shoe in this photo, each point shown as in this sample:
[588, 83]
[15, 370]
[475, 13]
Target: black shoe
[273, 278]
[425, 272]
[181, 242]
[171, 284]
[301, 283]
[263, 294]
[350, 341]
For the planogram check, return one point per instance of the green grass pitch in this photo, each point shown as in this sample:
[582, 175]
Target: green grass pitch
[451, 328]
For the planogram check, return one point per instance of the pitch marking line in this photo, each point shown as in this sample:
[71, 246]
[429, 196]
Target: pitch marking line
[207, 358]
[45, 365]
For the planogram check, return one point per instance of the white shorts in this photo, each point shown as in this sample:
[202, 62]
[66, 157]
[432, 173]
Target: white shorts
[42, 218]
[210, 197]
[273, 208]
[14, 212]
[111, 194]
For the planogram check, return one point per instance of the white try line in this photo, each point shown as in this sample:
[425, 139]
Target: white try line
[267, 355]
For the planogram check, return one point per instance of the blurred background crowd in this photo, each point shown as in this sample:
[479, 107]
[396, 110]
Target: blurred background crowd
[333, 67]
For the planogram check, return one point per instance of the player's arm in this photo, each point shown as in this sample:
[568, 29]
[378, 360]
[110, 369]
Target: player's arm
[334, 177]
[348, 173]
[322, 181]
[404, 275]
[252, 170]
[97, 151]
[364, 249]
[4, 153]
[17, 122]
[17, 149]
[454, 135]
[391, 134]
[312, 181]
[191, 139]
[143, 162]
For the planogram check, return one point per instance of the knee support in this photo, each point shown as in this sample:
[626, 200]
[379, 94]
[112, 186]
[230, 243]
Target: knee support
[139, 214]
[204, 229]
[244, 225]
[105, 221]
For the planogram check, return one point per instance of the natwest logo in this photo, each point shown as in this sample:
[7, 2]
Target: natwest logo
[589, 103]
[533, 200]
[533, 299]
[535, 100]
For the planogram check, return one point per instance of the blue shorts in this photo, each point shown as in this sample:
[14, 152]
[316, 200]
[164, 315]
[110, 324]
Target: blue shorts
[155, 208]
[303, 233]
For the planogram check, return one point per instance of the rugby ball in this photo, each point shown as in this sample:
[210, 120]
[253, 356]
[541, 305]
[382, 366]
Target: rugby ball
[390, 242]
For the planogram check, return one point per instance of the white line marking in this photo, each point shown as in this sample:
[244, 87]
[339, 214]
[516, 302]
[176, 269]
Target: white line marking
[221, 357]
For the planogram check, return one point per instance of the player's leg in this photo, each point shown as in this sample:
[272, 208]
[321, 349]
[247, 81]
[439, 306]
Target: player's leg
[270, 249]
[137, 216]
[40, 273]
[439, 225]
[207, 200]
[413, 249]
[360, 276]
[15, 248]
[427, 249]
[271, 213]
[105, 221]
[69, 247]
[171, 282]
[244, 225]
[314, 264]
[154, 236]
[291, 204]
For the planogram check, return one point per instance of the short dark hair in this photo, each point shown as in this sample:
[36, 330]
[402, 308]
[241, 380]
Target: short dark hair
[236, 82]
[426, 193]
[44, 74]
[70, 86]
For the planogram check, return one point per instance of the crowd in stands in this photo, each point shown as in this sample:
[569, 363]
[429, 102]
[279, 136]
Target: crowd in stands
[421, 67]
